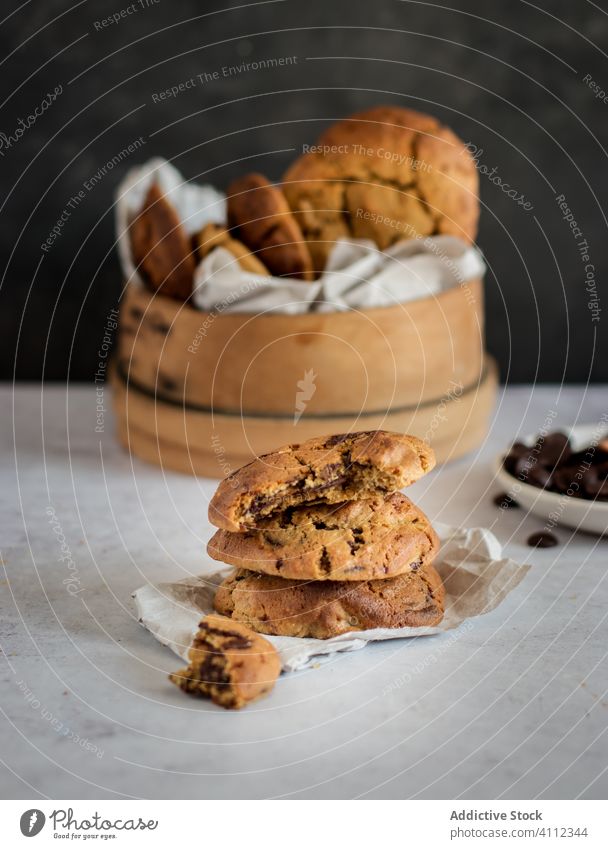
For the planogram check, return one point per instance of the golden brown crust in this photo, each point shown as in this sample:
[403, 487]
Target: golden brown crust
[228, 663]
[161, 248]
[385, 174]
[213, 236]
[325, 609]
[354, 541]
[341, 467]
[260, 215]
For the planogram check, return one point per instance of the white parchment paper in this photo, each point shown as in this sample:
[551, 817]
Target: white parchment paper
[357, 276]
[476, 576]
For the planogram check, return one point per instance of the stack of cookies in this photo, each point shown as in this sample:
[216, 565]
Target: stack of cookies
[322, 540]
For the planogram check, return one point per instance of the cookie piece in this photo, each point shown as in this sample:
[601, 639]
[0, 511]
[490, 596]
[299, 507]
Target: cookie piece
[354, 541]
[213, 236]
[262, 219]
[324, 609]
[228, 664]
[385, 174]
[342, 467]
[161, 248]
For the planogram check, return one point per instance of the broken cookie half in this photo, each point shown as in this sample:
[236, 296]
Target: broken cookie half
[228, 663]
[330, 469]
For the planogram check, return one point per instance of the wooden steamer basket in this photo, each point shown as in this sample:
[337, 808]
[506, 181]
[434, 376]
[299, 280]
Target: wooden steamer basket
[204, 392]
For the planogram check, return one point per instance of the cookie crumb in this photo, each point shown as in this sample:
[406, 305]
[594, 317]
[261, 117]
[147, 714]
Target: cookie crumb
[505, 502]
[228, 663]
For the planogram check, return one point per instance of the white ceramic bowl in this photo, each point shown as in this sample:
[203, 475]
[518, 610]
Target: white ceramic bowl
[555, 508]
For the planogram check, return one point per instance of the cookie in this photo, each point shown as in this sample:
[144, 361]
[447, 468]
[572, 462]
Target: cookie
[228, 664]
[213, 236]
[342, 467]
[385, 174]
[324, 609]
[355, 541]
[261, 218]
[161, 248]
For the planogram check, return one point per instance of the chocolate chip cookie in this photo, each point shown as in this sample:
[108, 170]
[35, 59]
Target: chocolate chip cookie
[213, 236]
[161, 248]
[324, 609]
[355, 541]
[342, 467]
[385, 174]
[228, 663]
[261, 218]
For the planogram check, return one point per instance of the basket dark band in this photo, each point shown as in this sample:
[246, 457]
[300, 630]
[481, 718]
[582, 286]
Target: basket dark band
[200, 408]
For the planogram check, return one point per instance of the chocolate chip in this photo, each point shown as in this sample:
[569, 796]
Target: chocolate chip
[564, 479]
[517, 452]
[330, 470]
[555, 448]
[272, 539]
[602, 469]
[597, 489]
[504, 501]
[334, 440]
[539, 476]
[552, 464]
[542, 539]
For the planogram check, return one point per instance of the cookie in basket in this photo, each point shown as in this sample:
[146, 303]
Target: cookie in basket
[261, 218]
[385, 174]
[213, 236]
[161, 248]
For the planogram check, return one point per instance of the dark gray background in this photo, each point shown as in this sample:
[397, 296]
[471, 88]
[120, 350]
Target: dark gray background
[507, 76]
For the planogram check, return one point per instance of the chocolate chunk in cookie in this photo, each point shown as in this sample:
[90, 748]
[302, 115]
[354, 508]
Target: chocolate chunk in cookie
[325, 609]
[161, 248]
[354, 541]
[330, 469]
[261, 218]
[229, 664]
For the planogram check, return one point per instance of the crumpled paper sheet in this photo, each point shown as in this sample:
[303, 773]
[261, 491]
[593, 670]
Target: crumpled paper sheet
[357, 276]
[476, 576]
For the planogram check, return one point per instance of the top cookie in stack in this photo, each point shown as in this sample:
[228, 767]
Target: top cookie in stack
[329, 469]
[323, 541]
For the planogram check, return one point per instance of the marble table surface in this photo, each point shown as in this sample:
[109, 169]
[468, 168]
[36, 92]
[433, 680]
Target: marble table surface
[514, 708]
